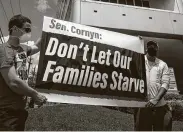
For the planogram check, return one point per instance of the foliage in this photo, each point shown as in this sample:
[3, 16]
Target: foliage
[32, 78]
[172, 96]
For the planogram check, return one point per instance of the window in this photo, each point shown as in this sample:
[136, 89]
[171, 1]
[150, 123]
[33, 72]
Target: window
[122, 2]
[145, 3]
[130, 2]
[104, 0]
[141, 3]
[113, 1]
[138, 3]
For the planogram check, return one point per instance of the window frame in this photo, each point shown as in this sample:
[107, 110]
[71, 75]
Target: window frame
[134, 3]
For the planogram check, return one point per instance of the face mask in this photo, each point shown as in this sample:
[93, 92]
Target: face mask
[26, 34]
[152, 51]
[25, 37]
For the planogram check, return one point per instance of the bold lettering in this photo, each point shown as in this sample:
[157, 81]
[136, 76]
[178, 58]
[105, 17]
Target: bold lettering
[90, 77]
[58, 26]
[96, 78]
[69, 74]
[136, 83]
[86, 49]
[141, 86]
[53, 24]
[131, 83]
[93, 55]
[48, 70]
[62, 50]
[52, 43]
[57, 77]
[81, 75]
[116, 60]
[123, 61]
[129, 60]
[104, 79]
[72, 51]
[125, 84]
[86, 75]
[108, 57]
[101, 57]
[73, 29]
[114, 85]
[119, 82]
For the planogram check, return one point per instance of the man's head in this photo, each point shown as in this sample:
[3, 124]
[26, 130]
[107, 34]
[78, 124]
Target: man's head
[152, 48]
[20, 26]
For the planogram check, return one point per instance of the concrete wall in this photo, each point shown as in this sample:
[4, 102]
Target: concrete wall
[127, 17]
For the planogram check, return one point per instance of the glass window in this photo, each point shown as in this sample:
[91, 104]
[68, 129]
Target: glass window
[122, 1]
[130, 2]
[113, 1]
[145, 3]
[138, 2]
[104, 0]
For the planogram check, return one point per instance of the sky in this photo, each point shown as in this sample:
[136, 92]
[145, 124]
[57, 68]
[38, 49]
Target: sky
[34, 9]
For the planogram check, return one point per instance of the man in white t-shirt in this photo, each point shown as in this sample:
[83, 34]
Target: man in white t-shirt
[156, 115]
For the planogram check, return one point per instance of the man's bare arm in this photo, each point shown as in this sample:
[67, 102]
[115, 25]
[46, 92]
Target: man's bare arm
[19, 86]
[160, 94]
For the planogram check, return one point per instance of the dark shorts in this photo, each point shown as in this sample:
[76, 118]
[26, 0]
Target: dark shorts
[12, 120]
[156, 119]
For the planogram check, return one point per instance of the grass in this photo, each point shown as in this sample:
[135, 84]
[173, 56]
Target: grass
[82, 118]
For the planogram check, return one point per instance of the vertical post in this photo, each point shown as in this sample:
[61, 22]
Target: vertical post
[66, 9]
[142, 3]
[179, 4]
[29, 65]
[2, 36]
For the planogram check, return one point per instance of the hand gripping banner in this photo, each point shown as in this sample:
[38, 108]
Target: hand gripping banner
[85, 65]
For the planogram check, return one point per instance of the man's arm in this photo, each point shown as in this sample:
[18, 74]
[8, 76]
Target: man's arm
[165, 83]
[36, 47]
[19, 86]
[164, 87]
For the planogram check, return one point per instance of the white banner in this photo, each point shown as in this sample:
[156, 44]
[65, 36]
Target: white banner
[85, 65]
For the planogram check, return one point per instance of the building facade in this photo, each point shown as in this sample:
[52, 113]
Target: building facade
[159, 20]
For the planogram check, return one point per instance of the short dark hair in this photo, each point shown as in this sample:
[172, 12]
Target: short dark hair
[18, 20]
[151, 42]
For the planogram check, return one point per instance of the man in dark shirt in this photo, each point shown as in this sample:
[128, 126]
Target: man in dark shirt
[13, 87]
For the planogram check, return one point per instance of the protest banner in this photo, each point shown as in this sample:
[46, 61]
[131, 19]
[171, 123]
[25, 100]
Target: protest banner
[86, 65]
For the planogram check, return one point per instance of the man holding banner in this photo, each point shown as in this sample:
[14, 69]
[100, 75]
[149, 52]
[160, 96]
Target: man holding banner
[13, 89]
[157, 115]
[80, 64]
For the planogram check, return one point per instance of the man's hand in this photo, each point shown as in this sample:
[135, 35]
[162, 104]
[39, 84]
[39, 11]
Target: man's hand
[39, 99]
[159, 96]
[152, 103]
[36, 47]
